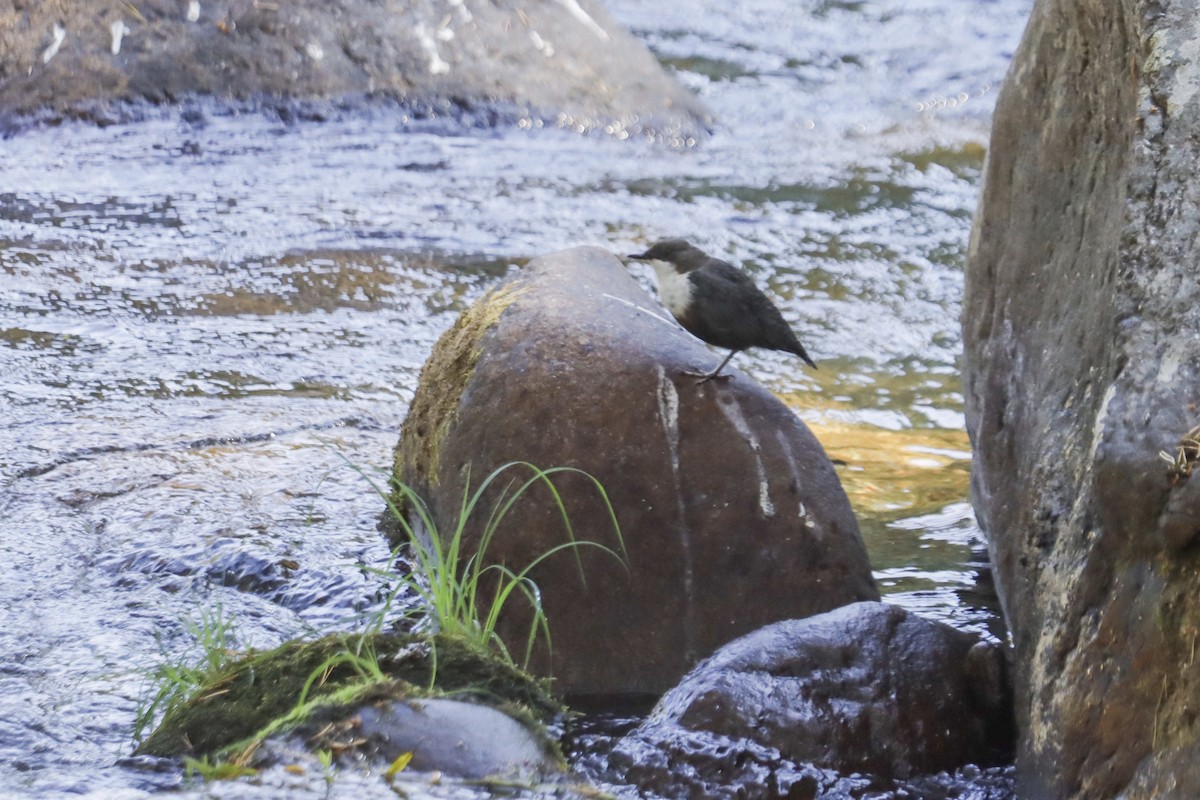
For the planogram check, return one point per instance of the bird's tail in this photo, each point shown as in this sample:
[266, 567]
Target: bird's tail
[800, 351]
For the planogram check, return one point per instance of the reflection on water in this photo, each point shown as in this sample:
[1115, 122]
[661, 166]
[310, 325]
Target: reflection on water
[202, 321]
[908, 487]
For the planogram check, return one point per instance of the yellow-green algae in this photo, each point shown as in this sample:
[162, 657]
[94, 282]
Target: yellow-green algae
[440, 387]
[260, 693]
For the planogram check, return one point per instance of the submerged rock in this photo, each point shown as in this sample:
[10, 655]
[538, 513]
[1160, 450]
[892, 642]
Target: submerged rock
[731, 513]
[558, 63]
[1082, 365]
[867, 688]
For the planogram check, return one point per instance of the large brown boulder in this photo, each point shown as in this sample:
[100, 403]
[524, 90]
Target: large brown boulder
[560, 63]
[731, 512]
[1081, 323]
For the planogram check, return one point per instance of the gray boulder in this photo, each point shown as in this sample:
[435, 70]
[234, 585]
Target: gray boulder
[731, 512]
[1081, 322]
[562, 63]
[865, 688]
[459, 739]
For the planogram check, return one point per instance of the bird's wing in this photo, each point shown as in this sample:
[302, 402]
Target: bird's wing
[746, 317]
[740, 313]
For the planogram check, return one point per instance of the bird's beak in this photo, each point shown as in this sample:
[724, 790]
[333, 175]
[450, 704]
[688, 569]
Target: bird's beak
[638, 256]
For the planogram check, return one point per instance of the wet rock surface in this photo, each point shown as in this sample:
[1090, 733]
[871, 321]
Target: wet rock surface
[699, 765]
[867, 688]
[731, 513]
[1082, 366]
[561, 63]
[459, 739]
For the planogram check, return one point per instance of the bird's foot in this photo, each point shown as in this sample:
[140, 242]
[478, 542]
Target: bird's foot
[705, 377]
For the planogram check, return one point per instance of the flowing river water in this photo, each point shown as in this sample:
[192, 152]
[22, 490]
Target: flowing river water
[204, 319]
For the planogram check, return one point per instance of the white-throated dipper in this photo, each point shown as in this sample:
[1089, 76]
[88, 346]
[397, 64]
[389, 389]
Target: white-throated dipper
[718, 303]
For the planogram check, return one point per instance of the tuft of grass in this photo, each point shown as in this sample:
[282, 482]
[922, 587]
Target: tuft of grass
[449, 580]
[174, 681]
[328, 770]
[360, 656]
[454, 583]
[462, 597]
[215, 769]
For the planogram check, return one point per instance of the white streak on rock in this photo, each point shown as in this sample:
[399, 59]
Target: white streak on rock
[52, 50]
[672, 323]
[584, 17]
[436, 65]
[668, 412]
[119, 29]
[541, 44]
[314, 51]
[794, 473]
[193, 12]
[1098, 426]
[733, 412]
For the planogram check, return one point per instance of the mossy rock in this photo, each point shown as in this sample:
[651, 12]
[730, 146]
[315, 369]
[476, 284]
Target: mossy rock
[569, 363]
[259, 690]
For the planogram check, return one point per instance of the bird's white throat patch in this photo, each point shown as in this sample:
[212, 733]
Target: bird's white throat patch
[674, 289]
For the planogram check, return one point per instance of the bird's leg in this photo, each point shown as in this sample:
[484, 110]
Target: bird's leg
[705, 377]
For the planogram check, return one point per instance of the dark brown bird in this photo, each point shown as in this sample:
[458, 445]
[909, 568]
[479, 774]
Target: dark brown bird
[718, 303]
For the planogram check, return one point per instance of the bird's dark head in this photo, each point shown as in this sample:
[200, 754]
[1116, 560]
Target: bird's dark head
[678, 252]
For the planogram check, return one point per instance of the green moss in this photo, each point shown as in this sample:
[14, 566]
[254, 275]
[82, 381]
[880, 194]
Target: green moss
[259, 694]
[443, 379]
[440, 388]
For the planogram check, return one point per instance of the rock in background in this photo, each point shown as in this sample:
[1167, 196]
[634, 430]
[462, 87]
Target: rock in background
[731, 512]
[1082, 335]
[562, 62]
